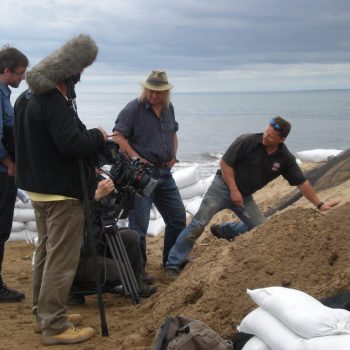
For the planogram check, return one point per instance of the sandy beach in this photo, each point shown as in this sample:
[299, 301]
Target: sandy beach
[298, 247]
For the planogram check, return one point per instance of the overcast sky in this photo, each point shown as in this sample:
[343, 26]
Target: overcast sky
[205, 45]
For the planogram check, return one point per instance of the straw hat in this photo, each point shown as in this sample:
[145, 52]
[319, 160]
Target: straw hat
[157, 81]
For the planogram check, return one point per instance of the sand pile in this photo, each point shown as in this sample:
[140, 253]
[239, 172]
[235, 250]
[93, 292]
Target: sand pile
[300, 248]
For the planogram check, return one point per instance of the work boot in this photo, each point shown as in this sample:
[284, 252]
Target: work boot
[172, 272]
[8, 295]
[69, 336]
[75, 319]
[146, 290]
[215, 230]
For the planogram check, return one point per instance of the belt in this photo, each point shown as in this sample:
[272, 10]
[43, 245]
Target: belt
[161, 165]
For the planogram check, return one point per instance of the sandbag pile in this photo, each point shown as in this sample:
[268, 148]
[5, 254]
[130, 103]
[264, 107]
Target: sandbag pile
[288, 319]
[191, 188]
[24, 224]
[317, 155]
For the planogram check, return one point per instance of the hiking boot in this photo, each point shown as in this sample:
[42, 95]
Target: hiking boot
[75, 299]
[215, 230]
[172, 272]
[69, 336]
[146, 290]
[75, 319]
[8, 295]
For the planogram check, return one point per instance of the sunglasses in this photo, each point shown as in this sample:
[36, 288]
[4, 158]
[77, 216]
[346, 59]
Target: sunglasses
[275, 125]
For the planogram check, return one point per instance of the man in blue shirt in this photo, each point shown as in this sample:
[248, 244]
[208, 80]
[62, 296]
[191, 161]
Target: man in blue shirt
[13, 65]
[146, 129]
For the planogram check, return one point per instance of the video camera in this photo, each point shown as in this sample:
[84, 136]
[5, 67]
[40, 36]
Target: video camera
[130, 177]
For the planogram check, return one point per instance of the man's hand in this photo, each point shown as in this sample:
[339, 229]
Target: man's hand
[104, 188]
[237, 198]
[329, 205]
[104, 133]
[11, 168]
[171, 163]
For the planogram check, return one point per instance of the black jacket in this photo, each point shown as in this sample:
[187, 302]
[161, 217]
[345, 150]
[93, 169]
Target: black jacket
[49, 140]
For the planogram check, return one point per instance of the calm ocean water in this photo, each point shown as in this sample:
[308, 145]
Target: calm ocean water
[209, 122]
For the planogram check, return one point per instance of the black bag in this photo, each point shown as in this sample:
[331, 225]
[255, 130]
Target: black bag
[181, 333]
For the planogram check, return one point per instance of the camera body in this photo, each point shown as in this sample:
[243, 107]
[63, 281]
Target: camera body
[130, 176]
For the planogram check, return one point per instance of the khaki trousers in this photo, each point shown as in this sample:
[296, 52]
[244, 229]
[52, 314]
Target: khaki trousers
[60, 228]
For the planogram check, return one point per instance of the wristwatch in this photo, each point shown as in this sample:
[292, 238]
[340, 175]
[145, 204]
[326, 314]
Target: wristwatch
[320, 205]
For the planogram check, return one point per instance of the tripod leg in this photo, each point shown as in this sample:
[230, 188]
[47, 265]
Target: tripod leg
[123, 265]
[126, 259]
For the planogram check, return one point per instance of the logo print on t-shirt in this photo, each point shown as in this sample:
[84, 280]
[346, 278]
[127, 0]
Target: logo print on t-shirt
[276, 166]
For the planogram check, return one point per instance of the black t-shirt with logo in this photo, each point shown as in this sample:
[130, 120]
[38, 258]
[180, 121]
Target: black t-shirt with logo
[254, 168]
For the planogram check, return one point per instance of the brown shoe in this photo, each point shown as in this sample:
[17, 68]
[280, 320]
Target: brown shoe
[75, 319]
[69, 336]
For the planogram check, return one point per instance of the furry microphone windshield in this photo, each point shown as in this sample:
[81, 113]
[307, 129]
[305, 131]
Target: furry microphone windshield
[70, 59]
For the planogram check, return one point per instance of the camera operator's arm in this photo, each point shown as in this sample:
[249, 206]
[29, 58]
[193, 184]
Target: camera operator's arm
[104, 188]
[125, 147]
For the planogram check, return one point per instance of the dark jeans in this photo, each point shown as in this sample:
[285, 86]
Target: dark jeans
[166, 197]
[84, 278]
[8, 193]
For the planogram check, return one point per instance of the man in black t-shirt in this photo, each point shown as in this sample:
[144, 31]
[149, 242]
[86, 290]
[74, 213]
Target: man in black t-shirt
[250, 163]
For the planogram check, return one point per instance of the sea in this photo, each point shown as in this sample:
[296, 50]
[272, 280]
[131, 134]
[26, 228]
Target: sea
[210, 122]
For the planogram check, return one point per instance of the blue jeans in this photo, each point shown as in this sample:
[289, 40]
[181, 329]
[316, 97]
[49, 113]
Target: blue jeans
[166, 197]
[216, 199]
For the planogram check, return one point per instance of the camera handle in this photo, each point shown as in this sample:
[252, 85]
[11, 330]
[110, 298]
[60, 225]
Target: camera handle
[121, 259]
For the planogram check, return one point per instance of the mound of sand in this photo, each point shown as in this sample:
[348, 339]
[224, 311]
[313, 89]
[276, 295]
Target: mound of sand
[298, 247]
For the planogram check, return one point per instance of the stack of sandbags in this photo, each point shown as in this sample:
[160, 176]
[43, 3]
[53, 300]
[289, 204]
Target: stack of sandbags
[23, 224]
[191, 188]
[288, 319]
[317, 155]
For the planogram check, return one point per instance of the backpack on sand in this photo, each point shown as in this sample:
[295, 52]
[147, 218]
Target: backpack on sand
[181, 333]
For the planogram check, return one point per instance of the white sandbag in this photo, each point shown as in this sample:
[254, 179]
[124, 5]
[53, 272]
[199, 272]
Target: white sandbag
[20, 204]
[155, 227]
[255, 343]
[331, 342]
[23, 214]
[187, 176]
[302, 313]
[270, 330]
[18, 236]
[31, 226]
[317, 155]
[197, 189]
[192, 205]
[17, 226]
[154, 213]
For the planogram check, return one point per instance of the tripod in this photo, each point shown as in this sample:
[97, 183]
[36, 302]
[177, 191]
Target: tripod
[120, 258]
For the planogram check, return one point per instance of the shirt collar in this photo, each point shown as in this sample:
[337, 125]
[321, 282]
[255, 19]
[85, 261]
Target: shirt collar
[5, 90]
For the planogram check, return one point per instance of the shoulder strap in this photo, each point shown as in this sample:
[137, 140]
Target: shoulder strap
[162, 341]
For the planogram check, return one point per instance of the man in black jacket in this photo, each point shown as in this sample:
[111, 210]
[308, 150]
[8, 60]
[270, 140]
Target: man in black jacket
[50, 141]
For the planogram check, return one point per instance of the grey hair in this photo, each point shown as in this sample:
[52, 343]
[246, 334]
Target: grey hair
[68, 60]
[143, 96]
